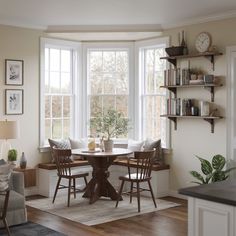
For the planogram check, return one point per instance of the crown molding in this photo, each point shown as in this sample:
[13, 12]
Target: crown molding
[200, 20]
[103, 28]
[22, 25]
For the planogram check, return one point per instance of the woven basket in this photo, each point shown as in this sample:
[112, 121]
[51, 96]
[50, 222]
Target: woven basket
[175, 51]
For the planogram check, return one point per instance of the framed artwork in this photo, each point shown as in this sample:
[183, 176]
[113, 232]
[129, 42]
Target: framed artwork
[14, 101]
[14, 72]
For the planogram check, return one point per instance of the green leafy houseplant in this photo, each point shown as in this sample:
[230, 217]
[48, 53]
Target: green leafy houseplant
[212, 171]
[111, 124]
[12, 155]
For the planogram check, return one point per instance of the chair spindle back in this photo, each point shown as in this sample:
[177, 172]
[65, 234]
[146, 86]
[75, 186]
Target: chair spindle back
[62, 160]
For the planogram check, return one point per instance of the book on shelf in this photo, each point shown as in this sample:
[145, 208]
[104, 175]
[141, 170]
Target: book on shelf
[179, 107]
[172, 77]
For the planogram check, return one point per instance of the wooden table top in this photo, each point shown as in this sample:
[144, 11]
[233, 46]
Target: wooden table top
[98, 153]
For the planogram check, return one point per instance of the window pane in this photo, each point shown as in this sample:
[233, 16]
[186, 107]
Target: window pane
[47, 129]
[66, 128]
[56, 129]
[95, 61]
[95, 105]
[122, 83]
[47, 106]
[108, 61]
[54, 59]
[96, 84]
[65, 83]
[159, 81]
[154, 126]
[122, 62]
[108, 103]
[65, 60]
[55, 82]
[66, 107]
[109, 84]
[160, 64]
[122, 104]
[149, 71]
[56, 106]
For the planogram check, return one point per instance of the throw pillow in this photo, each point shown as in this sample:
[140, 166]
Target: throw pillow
[134, 145]
[62, 144]
[155, 144]
[5, 173]
[78, 144]
[2, 162]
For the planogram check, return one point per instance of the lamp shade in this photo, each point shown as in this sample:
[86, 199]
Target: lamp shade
[9, 129]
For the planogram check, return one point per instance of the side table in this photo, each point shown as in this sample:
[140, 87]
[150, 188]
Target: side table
[29, 176]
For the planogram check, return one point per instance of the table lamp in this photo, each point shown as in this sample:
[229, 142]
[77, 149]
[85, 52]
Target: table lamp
[8, 130]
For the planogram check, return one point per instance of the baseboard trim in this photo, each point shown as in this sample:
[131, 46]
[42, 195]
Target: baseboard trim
[174, 193]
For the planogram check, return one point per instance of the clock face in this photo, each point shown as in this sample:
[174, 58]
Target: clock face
[203, 42]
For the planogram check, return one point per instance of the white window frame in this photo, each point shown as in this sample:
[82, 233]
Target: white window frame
[139, 51]
[129, 46]
[76, 48]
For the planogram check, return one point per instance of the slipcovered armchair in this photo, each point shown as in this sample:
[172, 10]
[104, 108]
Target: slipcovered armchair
[16, 211]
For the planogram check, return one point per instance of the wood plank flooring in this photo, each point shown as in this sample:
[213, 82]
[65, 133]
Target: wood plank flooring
[169, 222]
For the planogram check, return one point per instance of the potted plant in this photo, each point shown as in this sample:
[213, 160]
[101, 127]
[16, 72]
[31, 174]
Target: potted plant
[12, 156]
[109, 125]
[212, 171]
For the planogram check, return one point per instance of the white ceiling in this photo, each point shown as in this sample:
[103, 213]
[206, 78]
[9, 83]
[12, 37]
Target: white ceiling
[67, 15]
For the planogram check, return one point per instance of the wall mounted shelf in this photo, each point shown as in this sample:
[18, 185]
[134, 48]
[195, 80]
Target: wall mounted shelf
[209, 55]
[211, 87]
[209, 119]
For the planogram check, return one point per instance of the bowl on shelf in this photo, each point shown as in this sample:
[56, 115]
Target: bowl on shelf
[175, 51]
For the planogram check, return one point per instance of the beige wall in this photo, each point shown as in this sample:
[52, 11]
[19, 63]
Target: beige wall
[192, 136]
[17, 43]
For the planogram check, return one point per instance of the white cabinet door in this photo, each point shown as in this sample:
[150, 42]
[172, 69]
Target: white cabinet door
[208, 218]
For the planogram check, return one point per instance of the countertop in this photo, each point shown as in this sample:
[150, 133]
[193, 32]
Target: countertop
[221, 192]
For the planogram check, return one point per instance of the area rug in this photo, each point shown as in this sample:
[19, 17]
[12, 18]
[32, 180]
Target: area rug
[30, 229]
[101, 211]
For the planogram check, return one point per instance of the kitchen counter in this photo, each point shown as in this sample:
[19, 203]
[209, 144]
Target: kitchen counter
[222, 192]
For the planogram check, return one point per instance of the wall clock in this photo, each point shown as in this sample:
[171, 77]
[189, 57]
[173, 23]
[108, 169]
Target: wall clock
[203, 42]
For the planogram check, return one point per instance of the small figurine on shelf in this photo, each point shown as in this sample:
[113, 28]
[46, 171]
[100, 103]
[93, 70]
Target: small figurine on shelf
[23, 161]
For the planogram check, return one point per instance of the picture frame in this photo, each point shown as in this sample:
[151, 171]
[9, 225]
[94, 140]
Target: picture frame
[14, 72]
[14, 101]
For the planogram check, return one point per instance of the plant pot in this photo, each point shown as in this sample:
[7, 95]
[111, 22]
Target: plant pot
[108, 145]
[12, 164]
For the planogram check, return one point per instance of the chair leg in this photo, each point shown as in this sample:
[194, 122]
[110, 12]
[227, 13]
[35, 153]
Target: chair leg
[153, 198]
[138, 196]
[74, 187]
[6, 226]
[131, 192]
[69, 191]
[120, 191]
[57, 187]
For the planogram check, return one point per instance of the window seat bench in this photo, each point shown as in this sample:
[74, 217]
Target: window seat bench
[48, 176]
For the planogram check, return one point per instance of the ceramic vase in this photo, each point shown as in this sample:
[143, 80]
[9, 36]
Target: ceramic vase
[23, 161]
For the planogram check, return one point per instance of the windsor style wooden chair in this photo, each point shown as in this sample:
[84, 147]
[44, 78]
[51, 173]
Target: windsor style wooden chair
[63, 161]
[141, 174]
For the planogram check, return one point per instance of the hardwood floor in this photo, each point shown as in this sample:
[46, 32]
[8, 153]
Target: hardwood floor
[169, 222]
